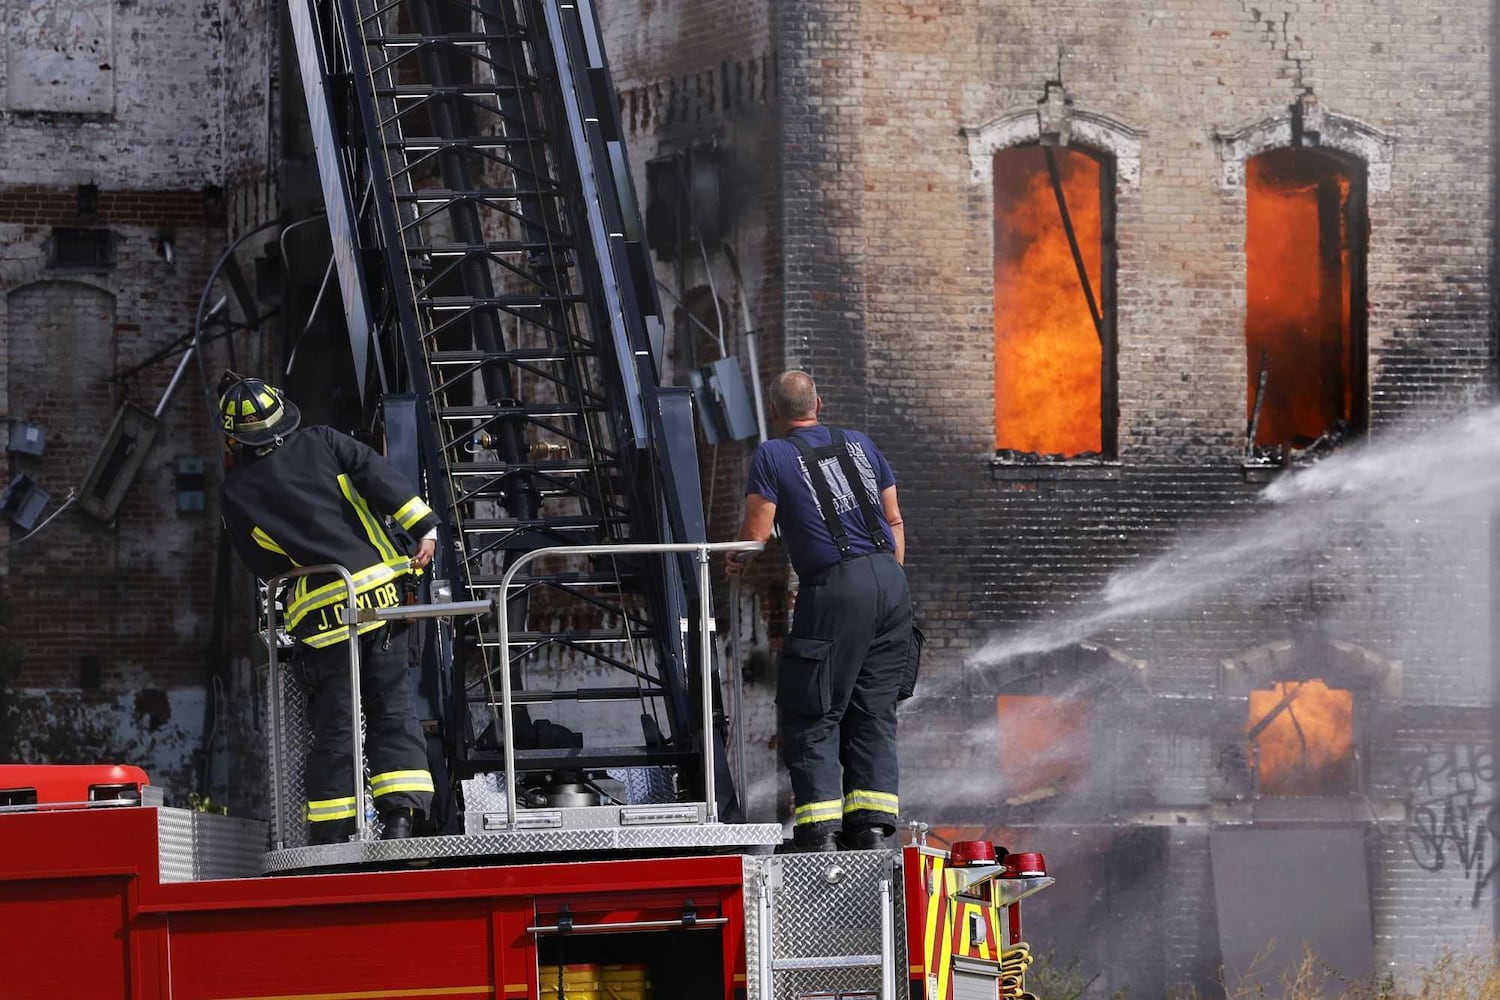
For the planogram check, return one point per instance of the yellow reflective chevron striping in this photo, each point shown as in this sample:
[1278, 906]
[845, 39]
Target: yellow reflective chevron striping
[400, 781]
[935, 906]
[332, 593]
[862, 798]
[817, 812]
[411, 512]
[333, 637]
[373, 529]
[268, 543]
[324, 810]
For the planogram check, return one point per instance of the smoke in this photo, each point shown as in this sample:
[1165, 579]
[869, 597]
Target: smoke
[1409, 483]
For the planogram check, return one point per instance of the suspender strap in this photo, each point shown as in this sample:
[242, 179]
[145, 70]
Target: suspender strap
[857, 484]
[838, 449]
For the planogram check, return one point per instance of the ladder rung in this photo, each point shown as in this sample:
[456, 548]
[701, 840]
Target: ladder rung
[424, 143]
[571, 465]
[454, 302]
[457, 38]
[528, 355]
[475, 525]
[496, 246]
[540, 410]
[424, 196]
[577, 694]
[573, 637]
[453, 90]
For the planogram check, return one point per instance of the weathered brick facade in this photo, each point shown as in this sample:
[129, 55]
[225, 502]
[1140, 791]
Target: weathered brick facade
[108, 625]
[855, 142]
[881, 221]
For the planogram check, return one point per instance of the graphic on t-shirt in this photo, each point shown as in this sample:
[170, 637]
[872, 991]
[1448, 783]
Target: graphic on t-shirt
[843, 497]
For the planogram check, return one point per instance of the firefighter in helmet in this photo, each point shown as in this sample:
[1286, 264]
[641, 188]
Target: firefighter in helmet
[298, 497]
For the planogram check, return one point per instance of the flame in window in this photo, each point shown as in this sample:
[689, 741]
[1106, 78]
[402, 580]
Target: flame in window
[1301, 736]
[1044, 746]
[1302, 233]
[1047, 352]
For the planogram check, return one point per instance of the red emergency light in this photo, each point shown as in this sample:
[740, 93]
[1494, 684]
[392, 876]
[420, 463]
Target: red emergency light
[972, 852]
[1026, 865]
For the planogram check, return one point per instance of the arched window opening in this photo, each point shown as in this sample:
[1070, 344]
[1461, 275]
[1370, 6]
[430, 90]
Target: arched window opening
[1054, 303]
[1305, 239]
[1301, 739]
[1028, 774]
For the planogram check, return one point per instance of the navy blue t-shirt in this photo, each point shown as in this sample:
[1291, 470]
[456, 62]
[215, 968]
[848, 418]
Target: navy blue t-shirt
[777, 473]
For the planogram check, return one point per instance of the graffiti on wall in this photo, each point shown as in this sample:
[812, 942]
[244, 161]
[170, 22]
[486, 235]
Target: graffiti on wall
[1452, 818]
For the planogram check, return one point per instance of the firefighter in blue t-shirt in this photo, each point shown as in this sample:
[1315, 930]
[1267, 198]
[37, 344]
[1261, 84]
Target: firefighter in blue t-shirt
[834, 497]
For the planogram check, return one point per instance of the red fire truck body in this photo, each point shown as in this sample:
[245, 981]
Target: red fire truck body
[134, 903]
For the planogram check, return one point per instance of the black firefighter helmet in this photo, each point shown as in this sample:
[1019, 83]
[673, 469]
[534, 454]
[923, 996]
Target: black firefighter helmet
[254, 413]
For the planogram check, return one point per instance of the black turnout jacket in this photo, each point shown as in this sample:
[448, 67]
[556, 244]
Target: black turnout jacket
[320, 497]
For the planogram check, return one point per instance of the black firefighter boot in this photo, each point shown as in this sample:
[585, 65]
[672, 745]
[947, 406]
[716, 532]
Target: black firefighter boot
[333, 831]
[812, 838]
[397, 824]
[869, 838]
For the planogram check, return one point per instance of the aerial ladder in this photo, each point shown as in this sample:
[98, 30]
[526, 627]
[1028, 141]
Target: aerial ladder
[502, 312]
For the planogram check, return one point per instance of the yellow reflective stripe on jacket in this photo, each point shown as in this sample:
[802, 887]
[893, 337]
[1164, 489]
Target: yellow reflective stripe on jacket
[322, 640]
[411, 512]
[332, 593]
[875, 801]
[268, 543]
[817, 812]
[373, 529]
[324, 810]
[400, 781]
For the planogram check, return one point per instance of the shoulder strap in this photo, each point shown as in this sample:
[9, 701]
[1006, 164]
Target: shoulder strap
[857, 484]
[838, 449]
[831, 518]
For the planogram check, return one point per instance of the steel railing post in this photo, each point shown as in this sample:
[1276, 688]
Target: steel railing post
[705, 670]
[702, 551]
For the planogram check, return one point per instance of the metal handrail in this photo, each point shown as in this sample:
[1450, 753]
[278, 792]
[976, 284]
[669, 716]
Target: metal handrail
[352, 616]
[705, 646]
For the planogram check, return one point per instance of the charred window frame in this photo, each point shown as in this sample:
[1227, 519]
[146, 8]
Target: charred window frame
[1069, 732]
[1306, 310]
[1321, 699]
[1054, 220]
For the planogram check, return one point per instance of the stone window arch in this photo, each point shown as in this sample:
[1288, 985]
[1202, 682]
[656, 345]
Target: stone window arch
[1306, 176]
[1346, 692]
[1055, 173]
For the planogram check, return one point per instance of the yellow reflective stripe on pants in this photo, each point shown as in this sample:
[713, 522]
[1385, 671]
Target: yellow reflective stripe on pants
[874, 801]
[816, 812]
[400, 781]
[323, 810]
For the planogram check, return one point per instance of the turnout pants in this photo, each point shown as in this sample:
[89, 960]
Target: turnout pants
[394, 744]
[837, 680]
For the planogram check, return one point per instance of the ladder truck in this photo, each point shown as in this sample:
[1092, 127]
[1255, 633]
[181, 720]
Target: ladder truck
[504, 331]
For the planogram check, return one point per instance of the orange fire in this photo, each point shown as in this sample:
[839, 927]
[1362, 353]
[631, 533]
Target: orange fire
[1308, 747]
[1298, 250]
[1047, 353]
[1044, 746]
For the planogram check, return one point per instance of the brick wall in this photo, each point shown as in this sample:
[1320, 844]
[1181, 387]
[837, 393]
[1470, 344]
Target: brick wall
[149, 86]
[111, 622]
[886, 293]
